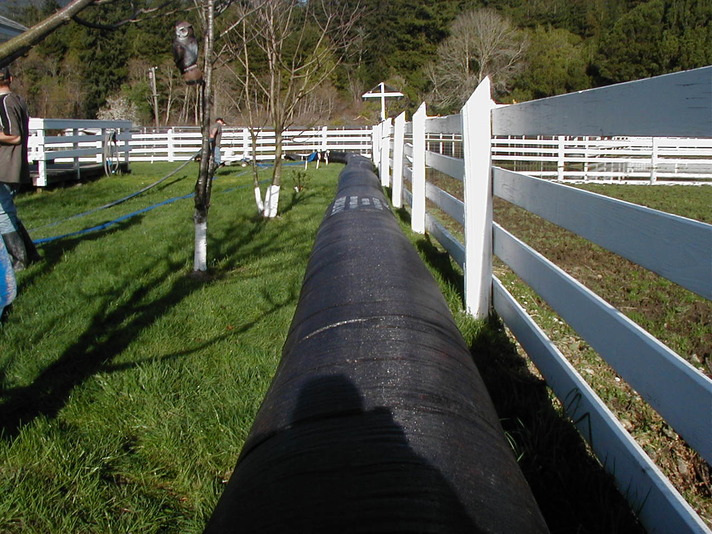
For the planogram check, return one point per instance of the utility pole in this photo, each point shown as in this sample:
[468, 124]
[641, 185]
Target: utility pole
[152, 77]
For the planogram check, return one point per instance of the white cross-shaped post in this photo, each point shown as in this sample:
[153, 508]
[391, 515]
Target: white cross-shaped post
[382, 94]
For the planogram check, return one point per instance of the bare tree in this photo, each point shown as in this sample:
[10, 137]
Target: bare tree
[203, 185]
[208, 10]
[300, 43]
[481, 43]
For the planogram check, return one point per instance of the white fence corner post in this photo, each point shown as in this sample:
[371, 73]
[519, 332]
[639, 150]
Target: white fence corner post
[100, 147]
[398, 141]
[385, 166]
[477, 141]
[417, 221]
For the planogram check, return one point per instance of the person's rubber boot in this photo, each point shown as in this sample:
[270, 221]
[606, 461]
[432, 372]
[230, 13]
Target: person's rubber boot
[16, 248]
[33, 256]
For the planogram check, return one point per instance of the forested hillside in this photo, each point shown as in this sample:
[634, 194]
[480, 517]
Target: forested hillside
[433, 50]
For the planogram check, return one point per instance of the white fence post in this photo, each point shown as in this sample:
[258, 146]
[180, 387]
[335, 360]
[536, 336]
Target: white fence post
[41, 161]
[417, 221]
[385, 167]
[127, 147]
[560, 161]
[477, 140]
[375, 144]
[246, 144]
[324, 139]
[654, 160]
[100, 147]
[75, 146]
[398, 140]
[171, 145]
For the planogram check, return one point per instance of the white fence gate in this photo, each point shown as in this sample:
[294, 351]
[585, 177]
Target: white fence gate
[76, 141]
[677, 248]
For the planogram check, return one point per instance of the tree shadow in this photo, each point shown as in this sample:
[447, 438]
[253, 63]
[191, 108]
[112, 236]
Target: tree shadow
[109, 333]
[295, 199]
[52, 254]
[335, 466]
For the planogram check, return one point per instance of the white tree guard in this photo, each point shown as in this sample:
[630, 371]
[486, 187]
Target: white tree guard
[200, 258]
[271, 201]
[258, 200]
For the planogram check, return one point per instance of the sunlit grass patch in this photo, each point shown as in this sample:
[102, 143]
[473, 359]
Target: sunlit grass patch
[128, 386]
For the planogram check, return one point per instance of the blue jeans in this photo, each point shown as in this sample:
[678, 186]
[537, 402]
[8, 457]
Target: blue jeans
[8, 212]
[216, 155]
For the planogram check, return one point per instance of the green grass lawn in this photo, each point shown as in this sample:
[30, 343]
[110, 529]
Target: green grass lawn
[128, 386]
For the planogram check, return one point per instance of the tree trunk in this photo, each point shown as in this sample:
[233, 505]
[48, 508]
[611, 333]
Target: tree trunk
[255, 171]
[203, 185]
[271, 203]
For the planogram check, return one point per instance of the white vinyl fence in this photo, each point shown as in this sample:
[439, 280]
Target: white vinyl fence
[677, 248]
[596, 159]
[564, 158]
[82, 142]
[75, 142]
[179, 144]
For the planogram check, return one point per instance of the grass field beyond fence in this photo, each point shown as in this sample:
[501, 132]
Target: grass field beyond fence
[128, 386]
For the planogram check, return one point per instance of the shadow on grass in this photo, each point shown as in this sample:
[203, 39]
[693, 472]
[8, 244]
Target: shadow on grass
[117, 326]
[295, 199]
[573, 491]
[441, 262]
[106, 337]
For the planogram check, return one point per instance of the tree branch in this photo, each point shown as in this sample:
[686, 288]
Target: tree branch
[116, 25]
[23, 43]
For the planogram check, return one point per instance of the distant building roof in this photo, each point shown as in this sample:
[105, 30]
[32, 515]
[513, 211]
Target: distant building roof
[9, 29]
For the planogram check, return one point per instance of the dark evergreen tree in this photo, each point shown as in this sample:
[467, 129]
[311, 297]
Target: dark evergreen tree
[402, 36]
[556, 64]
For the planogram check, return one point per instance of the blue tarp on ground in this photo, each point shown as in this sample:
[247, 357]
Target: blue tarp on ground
[8, 286]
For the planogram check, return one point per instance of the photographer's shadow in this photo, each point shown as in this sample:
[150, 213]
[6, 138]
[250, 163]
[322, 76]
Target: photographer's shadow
[336, 467]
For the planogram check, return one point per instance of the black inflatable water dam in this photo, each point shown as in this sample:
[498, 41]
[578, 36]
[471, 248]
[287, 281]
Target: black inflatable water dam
[377, 419]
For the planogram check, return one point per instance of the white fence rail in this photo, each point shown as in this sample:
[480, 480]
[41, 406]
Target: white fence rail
[78, 142]
[595, 159]
[564, 158]
[677, 248]
[179, 144]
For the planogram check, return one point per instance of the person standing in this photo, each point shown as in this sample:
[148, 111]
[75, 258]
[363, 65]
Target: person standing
[216, 139]
[14, 171]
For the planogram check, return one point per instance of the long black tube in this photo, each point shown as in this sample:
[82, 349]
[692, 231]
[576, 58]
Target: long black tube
[377, 419]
